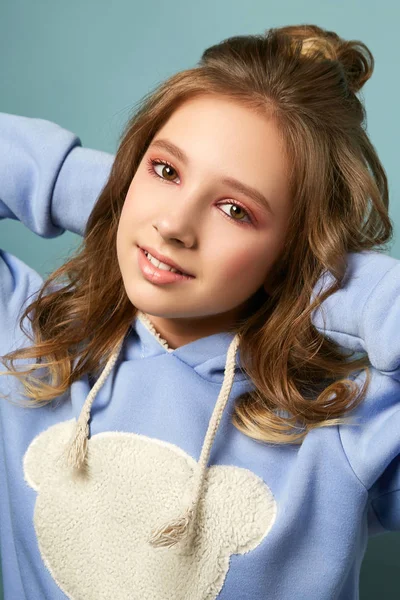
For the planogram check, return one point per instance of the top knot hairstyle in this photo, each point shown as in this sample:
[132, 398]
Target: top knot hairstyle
[307, 80]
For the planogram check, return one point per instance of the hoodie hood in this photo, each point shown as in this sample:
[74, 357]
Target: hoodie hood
[224, 364]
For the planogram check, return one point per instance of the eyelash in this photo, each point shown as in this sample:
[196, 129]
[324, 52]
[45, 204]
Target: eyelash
[154, 161]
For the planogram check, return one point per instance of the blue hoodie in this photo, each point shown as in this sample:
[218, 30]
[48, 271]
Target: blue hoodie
[156, 447]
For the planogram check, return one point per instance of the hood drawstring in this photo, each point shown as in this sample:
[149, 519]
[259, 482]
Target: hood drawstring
[172, 532]
[77, 446]
[181, 527]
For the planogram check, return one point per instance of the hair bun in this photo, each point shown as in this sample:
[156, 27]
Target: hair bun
[318, 43]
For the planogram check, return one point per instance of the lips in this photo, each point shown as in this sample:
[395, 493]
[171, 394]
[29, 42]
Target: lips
[165, 260]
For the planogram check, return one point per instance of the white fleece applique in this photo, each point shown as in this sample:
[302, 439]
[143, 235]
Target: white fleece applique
[93, 528]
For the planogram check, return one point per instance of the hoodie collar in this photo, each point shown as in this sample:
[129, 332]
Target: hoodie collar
[206, 356]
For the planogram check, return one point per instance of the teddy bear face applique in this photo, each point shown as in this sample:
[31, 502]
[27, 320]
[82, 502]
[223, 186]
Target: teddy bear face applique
[93, 526]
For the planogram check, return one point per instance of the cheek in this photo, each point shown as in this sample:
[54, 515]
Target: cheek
[127, 215]
[134, 207]
[128, 203]
[120, 229]
[125, 231]
[248, 262]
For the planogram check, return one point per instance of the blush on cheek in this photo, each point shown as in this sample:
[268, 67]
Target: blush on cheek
[242, 265]
[240, 268]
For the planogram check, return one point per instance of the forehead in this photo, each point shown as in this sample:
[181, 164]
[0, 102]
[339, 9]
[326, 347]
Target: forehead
[215, 122]
[227, 139]
[213, 109]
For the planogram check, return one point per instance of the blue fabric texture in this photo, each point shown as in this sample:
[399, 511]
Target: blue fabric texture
[340, 486]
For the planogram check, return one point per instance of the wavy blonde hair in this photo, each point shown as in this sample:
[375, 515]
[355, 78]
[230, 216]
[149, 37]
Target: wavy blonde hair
[306, 79]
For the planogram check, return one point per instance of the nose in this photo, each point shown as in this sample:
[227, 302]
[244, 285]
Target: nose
[178, 224]
[172, 234]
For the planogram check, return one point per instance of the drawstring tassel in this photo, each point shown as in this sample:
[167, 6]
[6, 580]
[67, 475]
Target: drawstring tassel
[178, 529]
[174, 531]
[76, 449]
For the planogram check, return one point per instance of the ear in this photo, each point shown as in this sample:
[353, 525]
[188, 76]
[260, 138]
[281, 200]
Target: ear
[43, 458]
[241, 508]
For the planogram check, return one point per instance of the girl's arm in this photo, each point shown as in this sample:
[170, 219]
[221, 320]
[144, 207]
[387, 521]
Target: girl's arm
[49, 183]
[47, 180]
[364, 315]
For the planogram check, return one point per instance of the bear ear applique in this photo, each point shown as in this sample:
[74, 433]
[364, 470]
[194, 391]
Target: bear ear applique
[241, 508]
[44, 456]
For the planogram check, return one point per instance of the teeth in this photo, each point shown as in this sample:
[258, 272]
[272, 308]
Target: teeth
[159, 264]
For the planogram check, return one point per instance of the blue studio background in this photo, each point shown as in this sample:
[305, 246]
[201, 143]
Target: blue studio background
[84, 63]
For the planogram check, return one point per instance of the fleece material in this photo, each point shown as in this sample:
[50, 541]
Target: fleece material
[274, 521]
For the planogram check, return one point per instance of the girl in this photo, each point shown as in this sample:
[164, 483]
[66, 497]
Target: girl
[229, 428]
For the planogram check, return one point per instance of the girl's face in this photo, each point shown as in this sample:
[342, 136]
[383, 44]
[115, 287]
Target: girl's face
[181, 207]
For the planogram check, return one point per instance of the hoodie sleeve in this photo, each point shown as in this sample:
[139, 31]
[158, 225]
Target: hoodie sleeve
[50, 184]
[364, 315]
[47, 180]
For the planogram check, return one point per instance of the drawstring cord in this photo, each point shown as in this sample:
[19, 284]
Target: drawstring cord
[181, 527]
[77, 446]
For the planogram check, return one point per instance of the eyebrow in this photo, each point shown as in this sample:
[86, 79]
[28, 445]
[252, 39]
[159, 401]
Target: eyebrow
[259, 198]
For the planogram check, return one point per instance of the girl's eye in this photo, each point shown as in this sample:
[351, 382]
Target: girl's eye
[166, 174]
[165, 171]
